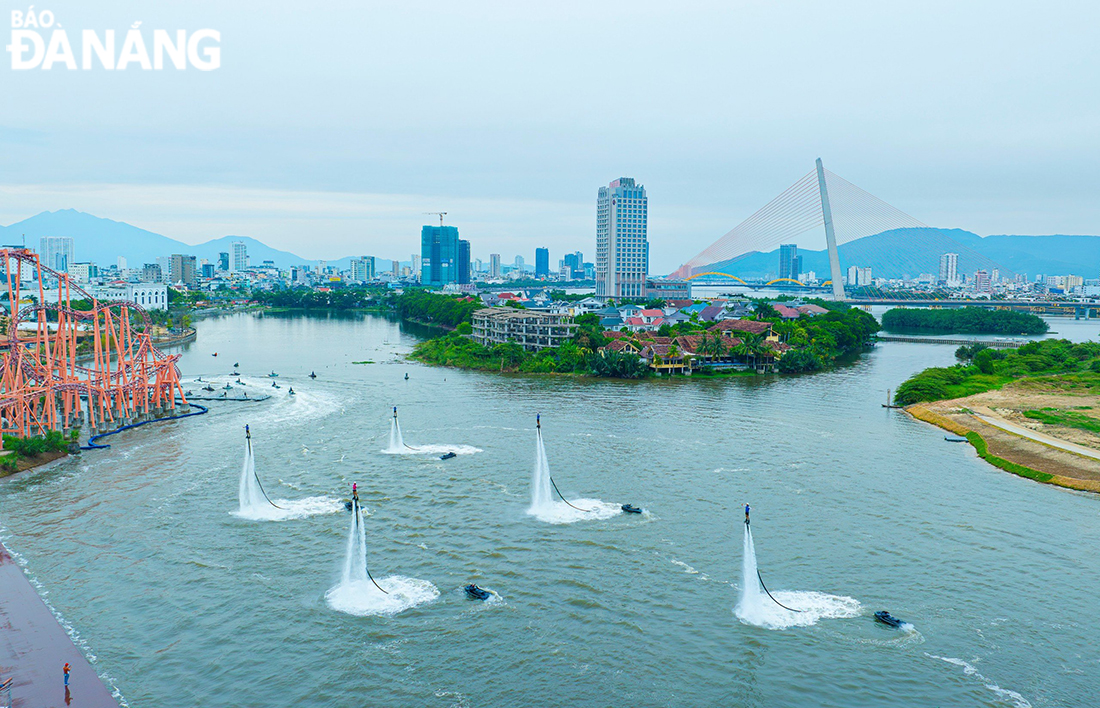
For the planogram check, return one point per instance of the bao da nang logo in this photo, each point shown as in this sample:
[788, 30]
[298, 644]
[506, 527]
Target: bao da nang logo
[38, 41]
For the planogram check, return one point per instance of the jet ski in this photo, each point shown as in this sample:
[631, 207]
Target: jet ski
[207, 388]
[290, 392]
[406, 377]
[631, 509]
[887, 618]
[477, 593]
[347, 505]
[227, 387]
[447, 455]
[312, 374]
[236, 364]
[273, 374]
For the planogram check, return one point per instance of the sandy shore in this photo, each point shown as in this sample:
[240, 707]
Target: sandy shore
[34, 648]
[1069, 455]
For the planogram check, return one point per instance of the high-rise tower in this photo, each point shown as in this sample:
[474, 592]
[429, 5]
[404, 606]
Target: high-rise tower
[622, 250]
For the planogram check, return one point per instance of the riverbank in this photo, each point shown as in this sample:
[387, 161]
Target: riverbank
[34, 648]
[25, 463]
[1002, 426]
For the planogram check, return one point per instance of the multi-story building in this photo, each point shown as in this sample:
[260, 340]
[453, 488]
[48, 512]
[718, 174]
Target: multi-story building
[789, 264]
[57, 252]
[181, 269]
[542, 262]
[527, 328]
[949, 268]
[494, 265]
[223, 261]
[151, 296]
[208, 270]
[438, 255]
[83, 272]
[362, 269]
[858, 277]
[981, 281]
[622, 248]
[464, 274]
[575, 263]
[238, 256]
[150, 273]
[660, 289]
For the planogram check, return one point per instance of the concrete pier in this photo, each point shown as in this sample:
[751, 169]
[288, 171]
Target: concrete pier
[34, 648]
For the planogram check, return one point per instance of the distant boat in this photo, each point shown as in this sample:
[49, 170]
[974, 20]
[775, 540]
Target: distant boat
[631, 509]
[954, 438]
[447, 455]
[272, 374]
[476, 593]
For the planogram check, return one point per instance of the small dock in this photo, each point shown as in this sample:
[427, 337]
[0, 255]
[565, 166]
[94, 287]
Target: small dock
[34, 648]
[955, 341]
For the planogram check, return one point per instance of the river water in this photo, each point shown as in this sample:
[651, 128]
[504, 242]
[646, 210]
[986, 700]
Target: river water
[183, 602]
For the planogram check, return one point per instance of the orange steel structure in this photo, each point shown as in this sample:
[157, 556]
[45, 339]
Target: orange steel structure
[45, 385]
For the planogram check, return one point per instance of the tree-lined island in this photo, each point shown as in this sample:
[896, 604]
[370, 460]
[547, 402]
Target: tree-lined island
[963, 320]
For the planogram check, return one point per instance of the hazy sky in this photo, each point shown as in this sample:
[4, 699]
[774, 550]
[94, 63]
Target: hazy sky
[331, 127]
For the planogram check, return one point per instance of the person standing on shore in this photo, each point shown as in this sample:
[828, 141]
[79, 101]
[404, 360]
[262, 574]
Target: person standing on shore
[65, 670]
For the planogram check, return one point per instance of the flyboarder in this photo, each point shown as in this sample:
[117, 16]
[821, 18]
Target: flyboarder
[746, 515]
[395, 412]
[406, 376]
[538, 421]
[248, 436]
[354, 493]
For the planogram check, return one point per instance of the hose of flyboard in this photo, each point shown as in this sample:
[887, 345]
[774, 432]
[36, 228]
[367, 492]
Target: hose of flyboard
[538, 427]
[248, 437]
[761, 579]
[410, 447]
[365, 567]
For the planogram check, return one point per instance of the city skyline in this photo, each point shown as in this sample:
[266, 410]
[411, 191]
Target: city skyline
[942, 143]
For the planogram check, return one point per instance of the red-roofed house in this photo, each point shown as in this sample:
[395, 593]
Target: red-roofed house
[787, 313]
[753, 326]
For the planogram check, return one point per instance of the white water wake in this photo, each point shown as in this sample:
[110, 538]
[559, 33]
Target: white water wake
[253, 504]
[545, 508]
[398, 447]
[356, 594]
[756, 608]
[1003, 694]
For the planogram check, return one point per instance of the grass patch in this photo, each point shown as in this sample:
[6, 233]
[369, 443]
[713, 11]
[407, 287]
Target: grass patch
[983, 452]
[1068, 419]
[363, 362]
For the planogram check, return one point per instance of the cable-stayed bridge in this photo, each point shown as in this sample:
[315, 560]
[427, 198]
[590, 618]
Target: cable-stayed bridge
[823, 200]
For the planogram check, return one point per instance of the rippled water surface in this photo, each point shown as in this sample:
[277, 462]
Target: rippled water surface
[184, 603]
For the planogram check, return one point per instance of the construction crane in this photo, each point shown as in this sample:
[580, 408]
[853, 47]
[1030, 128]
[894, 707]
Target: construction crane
[440, 214]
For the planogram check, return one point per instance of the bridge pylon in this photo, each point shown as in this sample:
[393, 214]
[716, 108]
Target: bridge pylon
[830, 235]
